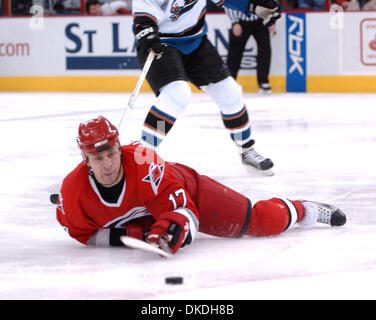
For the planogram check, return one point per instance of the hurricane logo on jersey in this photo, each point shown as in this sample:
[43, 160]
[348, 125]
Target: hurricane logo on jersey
[59, 204]
[178, 7]
[155, 176]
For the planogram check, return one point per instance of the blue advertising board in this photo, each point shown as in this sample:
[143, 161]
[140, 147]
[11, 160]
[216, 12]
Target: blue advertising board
[296, 52]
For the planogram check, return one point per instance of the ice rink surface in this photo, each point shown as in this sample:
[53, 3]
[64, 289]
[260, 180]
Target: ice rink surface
[323, 147]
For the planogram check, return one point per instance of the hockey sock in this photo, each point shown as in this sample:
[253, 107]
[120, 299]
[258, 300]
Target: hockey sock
[273, 216]
[156, 126]
[171, 102]
[240, 128]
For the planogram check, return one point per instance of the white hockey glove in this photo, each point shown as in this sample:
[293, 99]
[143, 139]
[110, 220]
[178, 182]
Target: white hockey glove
[268, 10]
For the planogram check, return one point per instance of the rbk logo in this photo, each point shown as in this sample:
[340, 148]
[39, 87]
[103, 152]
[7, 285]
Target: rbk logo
[155, 176]
[178, 7]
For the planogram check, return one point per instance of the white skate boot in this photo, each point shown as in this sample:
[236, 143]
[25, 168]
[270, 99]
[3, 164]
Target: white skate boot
[321, 212]
[251, 157]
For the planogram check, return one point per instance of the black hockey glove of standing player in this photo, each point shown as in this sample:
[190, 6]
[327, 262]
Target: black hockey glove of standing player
[148, 38]
[268, 10]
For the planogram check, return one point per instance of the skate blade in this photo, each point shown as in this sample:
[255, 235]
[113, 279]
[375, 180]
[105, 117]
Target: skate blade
[269, 172]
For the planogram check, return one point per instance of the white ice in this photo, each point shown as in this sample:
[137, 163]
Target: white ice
[323, 147]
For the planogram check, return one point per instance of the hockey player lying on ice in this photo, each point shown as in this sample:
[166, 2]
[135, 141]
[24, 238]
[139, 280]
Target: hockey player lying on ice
[129, 190]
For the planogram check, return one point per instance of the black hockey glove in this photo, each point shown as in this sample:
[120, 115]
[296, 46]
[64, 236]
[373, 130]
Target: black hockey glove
[148, 38]
[170, 232]
[268, 10]
[174, 232]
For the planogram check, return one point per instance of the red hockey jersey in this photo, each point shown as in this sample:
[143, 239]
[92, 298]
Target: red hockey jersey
[150, 189]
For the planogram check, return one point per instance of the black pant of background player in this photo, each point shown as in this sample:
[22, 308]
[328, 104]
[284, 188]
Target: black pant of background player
[237, 44]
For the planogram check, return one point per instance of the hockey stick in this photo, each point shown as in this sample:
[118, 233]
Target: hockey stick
[142, 245]
[136, 90]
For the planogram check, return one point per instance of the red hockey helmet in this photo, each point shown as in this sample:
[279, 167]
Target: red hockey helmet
[97, 135]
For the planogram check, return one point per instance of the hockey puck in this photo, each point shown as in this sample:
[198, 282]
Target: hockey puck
[174, 280]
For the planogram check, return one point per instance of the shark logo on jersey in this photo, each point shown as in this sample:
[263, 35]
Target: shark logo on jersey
[178, 7]
[155, 176]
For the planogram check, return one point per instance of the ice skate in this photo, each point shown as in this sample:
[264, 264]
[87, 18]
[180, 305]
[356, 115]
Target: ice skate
[323, 213]
[252, 158]
[265, 88]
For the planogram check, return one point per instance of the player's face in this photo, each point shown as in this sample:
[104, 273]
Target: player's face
[107, 166]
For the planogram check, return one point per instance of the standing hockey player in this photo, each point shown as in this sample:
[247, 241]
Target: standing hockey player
[120, 191]
[176, 31]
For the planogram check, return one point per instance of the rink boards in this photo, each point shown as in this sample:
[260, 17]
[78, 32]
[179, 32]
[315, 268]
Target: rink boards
[311, 52]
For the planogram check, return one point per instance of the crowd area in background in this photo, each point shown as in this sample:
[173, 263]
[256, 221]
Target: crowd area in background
[68, 7]
[313, 5]
[112, 7]
[347, 5]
